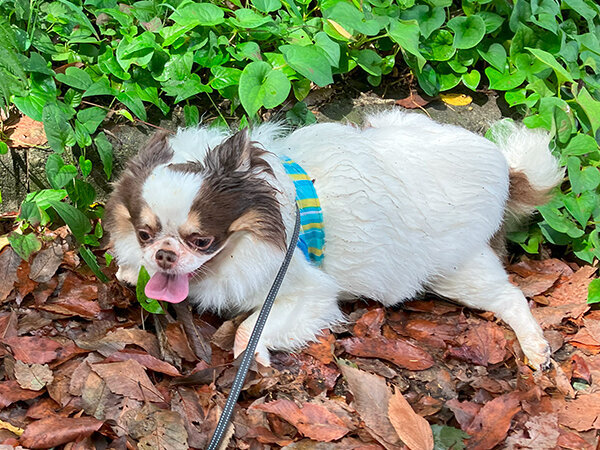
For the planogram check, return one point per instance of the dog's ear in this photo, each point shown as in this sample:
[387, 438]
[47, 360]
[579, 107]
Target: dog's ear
[237, 154]
[155, 152]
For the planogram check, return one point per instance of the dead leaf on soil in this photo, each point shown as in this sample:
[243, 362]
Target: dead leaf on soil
[54, 431]
[27, 133]
[581, 414]
[483, 343]
[574, 289]
[412, 429]
[9, 263]
[398, 351]
[371, 399]
[542, 432]
[163, 430]
[128, 378]
[413, 101]
[33, 349]
[312, 420]
[46, 262]
[117, 340]
[11, 392]
[322, 350]
[33, 377]
[146, 360]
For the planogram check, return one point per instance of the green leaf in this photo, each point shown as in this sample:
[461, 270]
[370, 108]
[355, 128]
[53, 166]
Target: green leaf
[580, 144]
[182, 90]
[329, 46]
[369, 60]
[91, 118]
[3, 148]
[58, 131]
[81, 17]
[75, 77]
[133, 102]
[24, 244]
[445, 437]
[309, 61]
[43, 198]
[260, 85]
[429, 19]
[581, 207]
[77, 222]
[496, 56]
[562, 122]
[92, 262]
[150, 305]
[352, 19]
[591, 108]
[439, 46]
[137, 51]
[247, 18]
[59, 174]
[267, 6]
[471, 79]
[560, 222]
[406, 33]
[468, 31]
[194, 14]
[561, 73]
[584, 180]
[191, 115]
[594, 291]
[428, 80]
[224, 77]
[105, 150]
[85, 165]
[492, 21]
[300, 115]
[504, 81]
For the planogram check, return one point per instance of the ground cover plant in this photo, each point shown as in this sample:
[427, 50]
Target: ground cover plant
[76, 66]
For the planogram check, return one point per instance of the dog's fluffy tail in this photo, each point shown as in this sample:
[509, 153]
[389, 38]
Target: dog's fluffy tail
[534, 171]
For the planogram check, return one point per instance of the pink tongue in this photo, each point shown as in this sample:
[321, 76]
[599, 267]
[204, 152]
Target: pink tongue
[170, 288]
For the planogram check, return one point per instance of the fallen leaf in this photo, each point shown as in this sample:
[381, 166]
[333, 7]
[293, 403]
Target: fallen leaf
[581, 414]
[552, 316]
[430, 332]
[573, 441]
[536, 283]
[456, 99]
[178, 341]
[574, 289]
[14, 430]
[413, 101]
[33, 377]
[464, 412]
[398, 351]
[33, 349]
[54, 431]
[117, 340]
[313, 421]
[369, 324]
[322, 349]
[167, 432]
[27, 133]
[46, 262]
[9, 263]
[11, 392]
[185, 402]
[483, 343]
[542, 432]
[492, 422]
[413, 429]
[371, 399]
[96, 397]
[581, 370]
[128, 378]
[146, 360]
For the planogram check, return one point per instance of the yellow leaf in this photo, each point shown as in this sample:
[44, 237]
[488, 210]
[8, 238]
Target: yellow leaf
[456, 99]
[3, 241]
[340, 29]
[7, 426]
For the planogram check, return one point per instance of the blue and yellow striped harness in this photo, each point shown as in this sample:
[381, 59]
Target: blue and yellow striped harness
[312, 236]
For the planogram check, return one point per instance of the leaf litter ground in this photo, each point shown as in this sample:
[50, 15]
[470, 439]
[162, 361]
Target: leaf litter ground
[85, 367]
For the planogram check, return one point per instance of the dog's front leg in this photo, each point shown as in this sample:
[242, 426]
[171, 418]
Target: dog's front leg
[294, 321]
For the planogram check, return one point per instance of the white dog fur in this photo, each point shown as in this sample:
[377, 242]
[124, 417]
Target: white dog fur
[409, 205]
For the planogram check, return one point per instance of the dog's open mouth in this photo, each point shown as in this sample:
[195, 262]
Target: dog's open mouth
[168, 287]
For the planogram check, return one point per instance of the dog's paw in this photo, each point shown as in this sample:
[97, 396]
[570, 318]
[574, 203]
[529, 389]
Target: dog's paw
[127, 274]
[538, 354]
[242, 335]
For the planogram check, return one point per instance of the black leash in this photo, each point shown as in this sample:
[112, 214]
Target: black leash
[248, 356]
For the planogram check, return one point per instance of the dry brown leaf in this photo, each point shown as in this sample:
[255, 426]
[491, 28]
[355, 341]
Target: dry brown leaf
[96, 398]
[483, 343]
[574, 289]
[581, 414]
[54, 431]
[413, 429]
[33, 349]
[542, 432]
[128, 378]
[33, 377]
[492, 422]
[118, 339]
[146, 360]
[430, 332]
[322, 350]
[167, 432]
[464, 412]
[46, 262]
[551, 316]
[27, 133]
[178, 341]
[11, 392]
[9, 263]
[369, 324]
[312, 420]
[371, 399]
[413, 101]
[399, 351]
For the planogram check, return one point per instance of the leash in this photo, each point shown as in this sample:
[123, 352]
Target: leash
[248, 355]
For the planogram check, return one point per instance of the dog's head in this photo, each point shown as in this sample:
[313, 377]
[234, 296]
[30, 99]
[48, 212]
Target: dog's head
[182, 214]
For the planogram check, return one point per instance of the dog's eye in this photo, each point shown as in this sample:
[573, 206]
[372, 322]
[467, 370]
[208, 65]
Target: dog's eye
[144, 235]
[201, 242]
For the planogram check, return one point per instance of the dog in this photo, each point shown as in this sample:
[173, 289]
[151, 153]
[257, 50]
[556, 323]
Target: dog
[408, 206]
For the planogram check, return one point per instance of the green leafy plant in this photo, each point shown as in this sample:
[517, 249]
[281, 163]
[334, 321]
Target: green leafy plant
[69, 63]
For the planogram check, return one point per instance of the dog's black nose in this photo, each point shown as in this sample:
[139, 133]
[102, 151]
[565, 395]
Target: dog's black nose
[165, 259]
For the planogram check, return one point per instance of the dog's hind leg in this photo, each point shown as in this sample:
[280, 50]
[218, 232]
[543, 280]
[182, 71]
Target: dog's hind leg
[481, 282]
